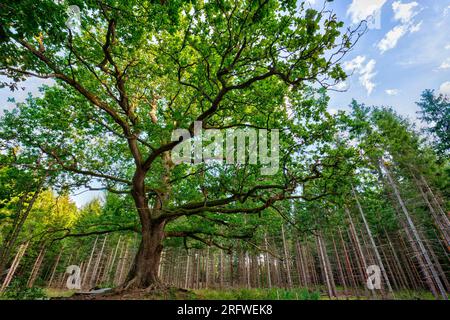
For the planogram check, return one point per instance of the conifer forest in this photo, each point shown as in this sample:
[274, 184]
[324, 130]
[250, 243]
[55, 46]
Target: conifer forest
[224, 150]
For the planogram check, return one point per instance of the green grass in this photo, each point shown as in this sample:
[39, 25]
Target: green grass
[58, 293]
[256, 294]
[414, 295]
[212, 294]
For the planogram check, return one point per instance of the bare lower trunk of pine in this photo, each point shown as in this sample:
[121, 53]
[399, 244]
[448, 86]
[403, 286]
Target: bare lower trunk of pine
[415, 234]
[372, 241]
[21, 216]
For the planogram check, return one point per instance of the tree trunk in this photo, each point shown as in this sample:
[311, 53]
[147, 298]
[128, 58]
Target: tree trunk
[372, 241]
[55, 266]
[15, 264]
[286, 258]
[20, 217]
[415, 233]
[36, 267]
[144, 270]
[269, 280]
[89, 263]
[441, 221]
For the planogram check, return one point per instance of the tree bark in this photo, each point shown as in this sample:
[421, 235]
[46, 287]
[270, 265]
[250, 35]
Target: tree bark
[372, 241]
[415, 233]
[144, 270]
[21, 216]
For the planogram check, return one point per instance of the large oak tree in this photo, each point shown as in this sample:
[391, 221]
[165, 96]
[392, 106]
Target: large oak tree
[137, 70]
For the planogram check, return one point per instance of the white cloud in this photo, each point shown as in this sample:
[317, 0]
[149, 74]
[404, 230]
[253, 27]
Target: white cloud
[391, 38]
[445, 65]
[362, 9]
[366, 71]
[446, 11]
[447, 47]
[354, 64]
[404, 12]
[416, 27]
[367, 74]
[445, 88]
[392, 92]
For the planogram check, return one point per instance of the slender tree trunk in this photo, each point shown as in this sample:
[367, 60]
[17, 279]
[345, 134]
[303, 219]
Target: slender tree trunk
[328, 276]
[413, 274]
[415, 234]
[269, 278]
[221, 268]
[339, 265]
[19, 220]
[301, 266]
[86, 274]
[55, 266]
[110, 264]
[359, 251]
[441, 221]
[14, 266]
[186, 279]
[438, 266]
[374, 245]
[286, 258]
[444, 217]
[397, 265]
[97, 264]
[36, 267]
[348, 264]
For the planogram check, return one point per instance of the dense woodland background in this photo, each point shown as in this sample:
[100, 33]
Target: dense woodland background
[354, 189]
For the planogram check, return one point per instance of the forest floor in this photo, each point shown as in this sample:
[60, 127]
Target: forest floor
[227, 294]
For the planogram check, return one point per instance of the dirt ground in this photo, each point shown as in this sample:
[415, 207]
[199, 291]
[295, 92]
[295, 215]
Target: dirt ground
[166, 294]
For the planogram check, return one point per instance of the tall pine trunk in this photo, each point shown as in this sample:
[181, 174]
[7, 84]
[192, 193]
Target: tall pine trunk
[415, 233]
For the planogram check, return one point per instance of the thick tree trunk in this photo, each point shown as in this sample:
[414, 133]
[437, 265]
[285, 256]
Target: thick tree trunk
[144, 270]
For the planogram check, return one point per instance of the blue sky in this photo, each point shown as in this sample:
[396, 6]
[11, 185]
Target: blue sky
[394, 63]
[406, 50]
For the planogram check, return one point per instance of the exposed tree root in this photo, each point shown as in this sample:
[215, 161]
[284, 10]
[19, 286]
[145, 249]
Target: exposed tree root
[130, 291]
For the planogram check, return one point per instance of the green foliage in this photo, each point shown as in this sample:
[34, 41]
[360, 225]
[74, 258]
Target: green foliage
[138, 70]
[18, 290]
[435, 112]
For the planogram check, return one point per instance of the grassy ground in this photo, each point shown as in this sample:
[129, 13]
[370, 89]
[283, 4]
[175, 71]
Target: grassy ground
[58, 293]
[256, 294]
[202, 294]
[246, 294]
[413, 295]
[209, 294]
